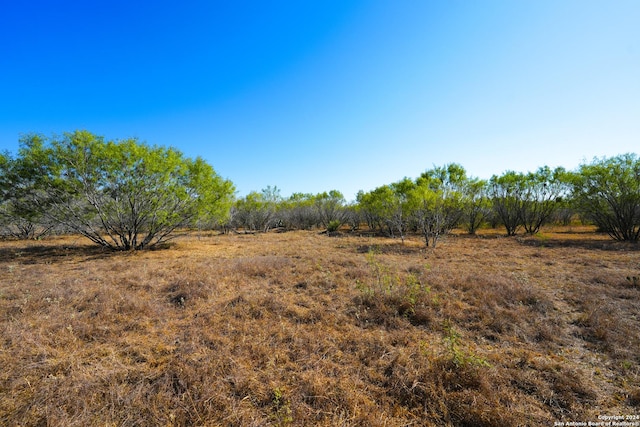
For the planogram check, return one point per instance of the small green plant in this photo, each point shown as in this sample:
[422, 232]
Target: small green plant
[634, 280]
[390, 288]
[459, 357]
[385, 281]
[626, 365]
[424, 348]
[413, 291]
[543, 239]
[333, 226]
[281, 415]
[366, 289]
[435, 301]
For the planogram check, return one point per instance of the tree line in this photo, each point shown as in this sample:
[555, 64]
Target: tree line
[605, 192]
[127, 195]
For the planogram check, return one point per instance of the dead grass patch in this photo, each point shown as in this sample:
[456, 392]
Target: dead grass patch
[303, 329]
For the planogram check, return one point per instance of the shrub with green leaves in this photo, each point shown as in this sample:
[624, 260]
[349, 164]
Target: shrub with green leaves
[607, 192]
[123, 195]
[333, 226]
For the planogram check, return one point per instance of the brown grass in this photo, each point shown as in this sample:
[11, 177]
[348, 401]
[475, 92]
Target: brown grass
[304, 329]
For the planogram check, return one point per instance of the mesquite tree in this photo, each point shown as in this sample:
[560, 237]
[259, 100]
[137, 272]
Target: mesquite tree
[505, 192]
[330, 208]
[123, 195]
[257, 211]
[20, 215]
[477, 205]
[528, 200]
[607, 192]
[299, 212]
[540, 196]
[388, 207]
[438, 201]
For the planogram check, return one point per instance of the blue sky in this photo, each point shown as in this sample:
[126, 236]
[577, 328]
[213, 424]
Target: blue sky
[311, 96]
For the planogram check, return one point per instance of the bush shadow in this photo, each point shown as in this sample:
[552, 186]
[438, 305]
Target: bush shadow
[580, 243]
[390, 249]
[42, 254]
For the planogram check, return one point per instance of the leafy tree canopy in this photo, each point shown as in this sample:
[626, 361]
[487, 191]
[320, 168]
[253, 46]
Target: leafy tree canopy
[120, 194]
[607, 190]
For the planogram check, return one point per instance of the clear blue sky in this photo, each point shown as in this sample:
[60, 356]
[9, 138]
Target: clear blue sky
[318, 95]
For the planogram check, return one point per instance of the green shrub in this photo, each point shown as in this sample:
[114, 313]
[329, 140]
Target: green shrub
[333, 226]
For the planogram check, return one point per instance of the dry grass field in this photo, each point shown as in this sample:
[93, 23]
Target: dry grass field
[302, 329]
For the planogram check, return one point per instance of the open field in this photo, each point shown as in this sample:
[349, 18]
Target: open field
[300, 329]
